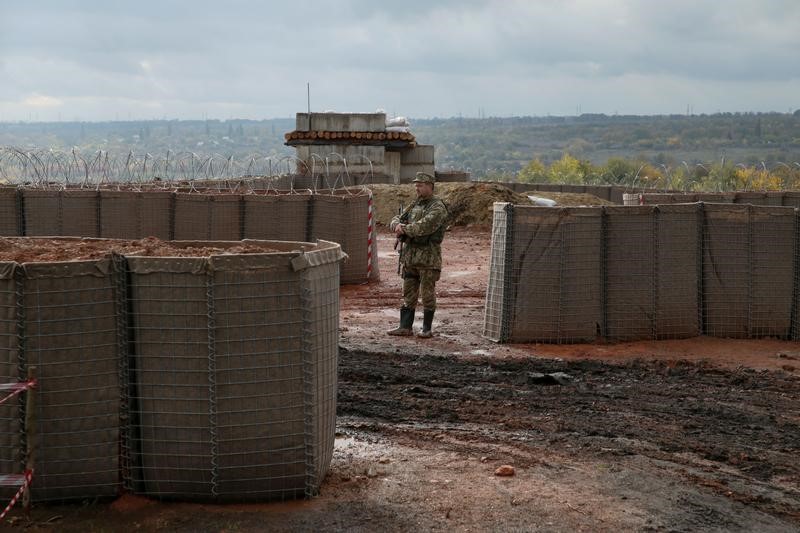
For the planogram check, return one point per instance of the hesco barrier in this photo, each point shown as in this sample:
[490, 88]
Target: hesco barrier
[209, 217]
[748, 271]
[613, 193]
[282, 217]
[191, 378]
[773, 198]
[64, 323]
[10, 214]
[11, 416]
[562, 275]
[61, 212]
[341, 215]
[133, 215]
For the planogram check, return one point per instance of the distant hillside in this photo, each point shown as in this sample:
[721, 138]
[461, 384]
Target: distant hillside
[490, 145]
[510, 143]
[227, 137]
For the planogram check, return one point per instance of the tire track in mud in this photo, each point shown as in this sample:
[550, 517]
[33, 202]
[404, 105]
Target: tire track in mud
[736, 432]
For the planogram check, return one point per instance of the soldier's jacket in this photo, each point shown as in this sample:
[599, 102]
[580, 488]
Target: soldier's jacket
[425, 228]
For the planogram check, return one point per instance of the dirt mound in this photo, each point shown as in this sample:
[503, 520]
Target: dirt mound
[468, 203]
[472, 203]
[570, 199]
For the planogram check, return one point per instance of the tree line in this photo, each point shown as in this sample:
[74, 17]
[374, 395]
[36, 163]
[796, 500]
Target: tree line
[720, 175]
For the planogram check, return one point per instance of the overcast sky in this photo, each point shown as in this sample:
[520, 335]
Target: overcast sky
[144, 59]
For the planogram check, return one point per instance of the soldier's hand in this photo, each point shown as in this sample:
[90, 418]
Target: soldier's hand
[400, 229]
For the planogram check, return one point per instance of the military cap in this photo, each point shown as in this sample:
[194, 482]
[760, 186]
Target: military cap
[423, 177]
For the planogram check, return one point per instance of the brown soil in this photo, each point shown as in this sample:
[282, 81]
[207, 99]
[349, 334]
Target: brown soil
[693, 435]
[29, 250]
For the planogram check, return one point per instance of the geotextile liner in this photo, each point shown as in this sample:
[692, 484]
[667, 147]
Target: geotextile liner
[651, 271]
[10, 215]
[277, 217]
[212, 217]
[217, 375]
[630, 272]
[666, 272]
[134, 215]
[748, 271]
[72, 212]
[677, 261]
[11, 454]
[43, 215]
[343, 217]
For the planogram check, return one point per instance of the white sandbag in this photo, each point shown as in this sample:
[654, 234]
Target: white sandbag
[398, 121]
[543, 202]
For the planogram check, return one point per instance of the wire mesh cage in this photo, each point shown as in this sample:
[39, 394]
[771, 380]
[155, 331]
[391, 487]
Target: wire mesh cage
[233, 385]
[192, 213]
[748, 274]
[552, 286]
[642, 272]
[61, 318]
[496, 318]
[751, 197]
[343, 216]
[11, 309]
[677, 259]
[207, 216]
[651, 265]
[207, 378]
[10, 213]
[630, 272]
[128, 214]
[773, 251]
[278, 216]
[42, 212]
[790, 199]
[79, 213]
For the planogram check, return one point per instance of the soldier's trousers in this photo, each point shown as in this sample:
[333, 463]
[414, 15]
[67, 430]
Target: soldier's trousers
[420, 282]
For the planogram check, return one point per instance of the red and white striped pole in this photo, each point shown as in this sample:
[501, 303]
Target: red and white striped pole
[370, 235]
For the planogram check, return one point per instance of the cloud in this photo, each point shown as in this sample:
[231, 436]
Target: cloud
[41, 100]
[430, 58]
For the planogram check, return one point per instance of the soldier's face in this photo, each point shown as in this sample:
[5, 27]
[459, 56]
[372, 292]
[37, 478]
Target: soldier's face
[424, 190]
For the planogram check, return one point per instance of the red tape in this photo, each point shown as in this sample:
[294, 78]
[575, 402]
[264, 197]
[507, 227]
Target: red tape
[15, 499]
[16, 388]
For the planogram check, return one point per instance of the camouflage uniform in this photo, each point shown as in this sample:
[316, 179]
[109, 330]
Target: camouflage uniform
[422, 252]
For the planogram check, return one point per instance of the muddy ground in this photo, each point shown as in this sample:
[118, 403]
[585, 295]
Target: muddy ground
[694, 435]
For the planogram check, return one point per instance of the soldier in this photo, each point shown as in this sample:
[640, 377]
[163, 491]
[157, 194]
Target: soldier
[421, 229]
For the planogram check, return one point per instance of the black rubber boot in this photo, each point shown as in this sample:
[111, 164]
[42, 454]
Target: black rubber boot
[427, 323]
[406, 323]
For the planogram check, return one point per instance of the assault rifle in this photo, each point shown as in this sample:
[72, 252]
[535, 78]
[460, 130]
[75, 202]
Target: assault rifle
[401, 239]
